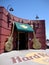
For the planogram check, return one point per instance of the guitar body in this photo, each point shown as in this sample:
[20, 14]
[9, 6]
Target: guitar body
[8, 44]
[36, 44]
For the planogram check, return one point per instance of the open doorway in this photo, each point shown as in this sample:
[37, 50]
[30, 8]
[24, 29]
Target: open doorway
[23, 39]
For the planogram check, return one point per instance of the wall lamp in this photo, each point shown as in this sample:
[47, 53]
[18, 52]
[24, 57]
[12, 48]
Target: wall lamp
[9, 7]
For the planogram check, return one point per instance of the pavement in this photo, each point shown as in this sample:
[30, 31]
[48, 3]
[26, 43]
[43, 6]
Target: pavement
[24, 57]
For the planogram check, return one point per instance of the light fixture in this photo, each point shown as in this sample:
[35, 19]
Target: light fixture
[37, 17]
[10, 8]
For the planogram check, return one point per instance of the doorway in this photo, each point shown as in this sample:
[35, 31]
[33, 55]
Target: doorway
[23, 40]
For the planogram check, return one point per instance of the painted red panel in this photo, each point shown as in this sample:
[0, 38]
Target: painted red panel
[26, 21]
[4, 11]
[16, 19]
[5, 31]
[40, 35]
[3, 38]
[1, 9]
[5, 25]
[2, 46]
[4, 17]
[0, 23]
[1, 51]
[1, 15]
[39, 30]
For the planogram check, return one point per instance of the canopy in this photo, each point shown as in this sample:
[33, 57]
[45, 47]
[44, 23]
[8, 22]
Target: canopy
[23, 27]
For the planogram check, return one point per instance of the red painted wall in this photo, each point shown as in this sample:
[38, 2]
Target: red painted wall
[5, 30]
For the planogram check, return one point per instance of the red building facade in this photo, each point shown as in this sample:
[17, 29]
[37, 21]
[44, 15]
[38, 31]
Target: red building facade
[5, 30]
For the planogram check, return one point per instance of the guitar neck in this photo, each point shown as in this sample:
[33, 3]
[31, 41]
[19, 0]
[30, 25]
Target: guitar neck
[34, 34]
[12, 30]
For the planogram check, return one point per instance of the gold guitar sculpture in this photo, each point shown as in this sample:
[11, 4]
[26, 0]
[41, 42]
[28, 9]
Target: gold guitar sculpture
[9, 43]
[36, 43]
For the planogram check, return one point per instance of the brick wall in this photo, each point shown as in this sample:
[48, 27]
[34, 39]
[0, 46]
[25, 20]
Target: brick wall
[5, 30]
[40, 33]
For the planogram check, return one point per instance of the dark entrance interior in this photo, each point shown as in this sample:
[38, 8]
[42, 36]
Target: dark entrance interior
[23, 39]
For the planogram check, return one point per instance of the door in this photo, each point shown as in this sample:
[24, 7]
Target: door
[23, 39]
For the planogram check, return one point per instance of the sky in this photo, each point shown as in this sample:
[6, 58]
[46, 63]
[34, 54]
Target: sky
[28, 9]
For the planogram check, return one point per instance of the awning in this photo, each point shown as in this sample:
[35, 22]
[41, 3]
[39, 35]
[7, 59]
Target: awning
[23, 27]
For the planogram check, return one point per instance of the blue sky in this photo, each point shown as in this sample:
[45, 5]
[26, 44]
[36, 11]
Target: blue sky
[28, 9]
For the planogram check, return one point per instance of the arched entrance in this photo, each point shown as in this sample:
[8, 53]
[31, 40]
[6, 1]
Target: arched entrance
[22, 35]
